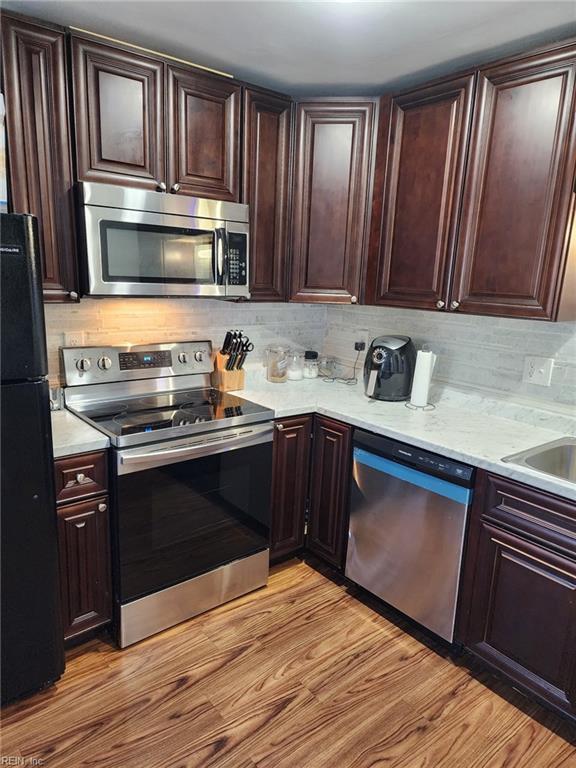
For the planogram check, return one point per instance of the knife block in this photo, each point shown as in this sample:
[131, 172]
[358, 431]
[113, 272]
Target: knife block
[224, 380]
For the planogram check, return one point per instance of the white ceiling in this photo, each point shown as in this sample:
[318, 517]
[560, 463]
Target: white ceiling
[321, 47]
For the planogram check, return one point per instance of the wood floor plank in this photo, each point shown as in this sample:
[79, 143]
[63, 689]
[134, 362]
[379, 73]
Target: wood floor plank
[297, 675]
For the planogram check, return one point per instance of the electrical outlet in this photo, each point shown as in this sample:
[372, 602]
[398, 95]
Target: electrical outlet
[74, 339]
[538, 370]
[361, 339]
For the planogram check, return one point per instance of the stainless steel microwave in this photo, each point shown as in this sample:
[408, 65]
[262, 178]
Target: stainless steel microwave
[142, 243]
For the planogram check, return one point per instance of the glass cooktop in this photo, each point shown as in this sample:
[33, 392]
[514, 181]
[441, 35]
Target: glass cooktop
[172, 414]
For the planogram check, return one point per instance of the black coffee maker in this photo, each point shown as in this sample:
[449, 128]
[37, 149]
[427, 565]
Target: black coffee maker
[389, 368]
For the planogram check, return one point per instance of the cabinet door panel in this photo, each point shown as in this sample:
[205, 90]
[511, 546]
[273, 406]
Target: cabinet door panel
[38, 140]
[290, 484]
[83, 542]
[517, 607]
[334, 141]
[118, 99]
[267, 121]
[329, 488]
[518, 191]
[524, 615]
[204, 134]
[414, 230]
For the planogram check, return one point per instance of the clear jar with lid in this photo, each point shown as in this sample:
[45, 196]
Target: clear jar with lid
[310, 364]
[295, 367]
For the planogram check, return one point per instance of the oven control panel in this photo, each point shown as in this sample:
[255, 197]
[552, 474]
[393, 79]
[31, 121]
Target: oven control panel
[99, 365]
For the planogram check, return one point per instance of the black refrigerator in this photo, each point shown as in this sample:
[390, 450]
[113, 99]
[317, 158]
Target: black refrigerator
[32, 647]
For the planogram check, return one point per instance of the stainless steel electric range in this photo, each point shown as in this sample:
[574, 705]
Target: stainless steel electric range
[190, 478]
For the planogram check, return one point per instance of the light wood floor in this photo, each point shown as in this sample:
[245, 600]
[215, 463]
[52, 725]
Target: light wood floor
[299, 675]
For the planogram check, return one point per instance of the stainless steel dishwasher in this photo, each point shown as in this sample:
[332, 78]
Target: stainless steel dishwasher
[408, 513]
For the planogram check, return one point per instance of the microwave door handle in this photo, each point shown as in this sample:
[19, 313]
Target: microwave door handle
[221, 250]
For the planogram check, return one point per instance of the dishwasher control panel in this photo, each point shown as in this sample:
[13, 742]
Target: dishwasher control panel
[425, 461]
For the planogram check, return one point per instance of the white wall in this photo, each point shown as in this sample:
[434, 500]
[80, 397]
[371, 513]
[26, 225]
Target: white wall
[480, 352]
[140, 321]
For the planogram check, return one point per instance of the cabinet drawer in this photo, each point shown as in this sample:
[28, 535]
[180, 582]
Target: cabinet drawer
[82, 476]
[542, 517]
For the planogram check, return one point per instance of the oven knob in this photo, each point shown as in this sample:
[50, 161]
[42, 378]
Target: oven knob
[198, 356]
[84, 364]
[182, 357]
[105, 363]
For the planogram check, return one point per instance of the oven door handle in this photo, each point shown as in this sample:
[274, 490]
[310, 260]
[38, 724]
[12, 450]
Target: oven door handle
[129, 462]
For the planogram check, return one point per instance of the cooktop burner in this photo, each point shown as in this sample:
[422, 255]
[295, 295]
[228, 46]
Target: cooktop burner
[130, 421]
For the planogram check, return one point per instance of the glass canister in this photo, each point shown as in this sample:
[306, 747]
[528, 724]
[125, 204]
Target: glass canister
[310, 364]
[295, 368]
[276, 364]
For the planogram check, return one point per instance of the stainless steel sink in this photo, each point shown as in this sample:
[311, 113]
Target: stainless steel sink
[557, 458]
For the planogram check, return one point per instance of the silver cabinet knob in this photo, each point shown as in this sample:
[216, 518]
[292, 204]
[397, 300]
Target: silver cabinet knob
[84, 364]
[353, 299]
[105, 363]
[280, 427]
[440, 304]
[175, 187]
[182, 357]
[161, 186]
[102, 507]
[81, 525]
[73, 295]
[199, 356]
[80, 477]
[454, 304]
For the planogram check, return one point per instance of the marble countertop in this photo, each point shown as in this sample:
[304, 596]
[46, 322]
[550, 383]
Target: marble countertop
[71, 435]
[461, 426]
[457, 428]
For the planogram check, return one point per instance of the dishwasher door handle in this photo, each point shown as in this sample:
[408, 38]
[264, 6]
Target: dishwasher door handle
[424, 480]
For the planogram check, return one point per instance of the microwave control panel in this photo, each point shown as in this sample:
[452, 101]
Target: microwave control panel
[237, 259]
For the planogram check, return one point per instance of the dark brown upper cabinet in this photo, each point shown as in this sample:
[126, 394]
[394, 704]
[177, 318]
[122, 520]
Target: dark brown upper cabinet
[332, 175]
[519, 188]
[329, 488]
[119, 115]
[203, 134]
[266, 179]
[421, 154]
[39, 146]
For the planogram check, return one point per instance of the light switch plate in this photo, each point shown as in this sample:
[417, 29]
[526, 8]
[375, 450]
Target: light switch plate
[74, 339]
[538, 370]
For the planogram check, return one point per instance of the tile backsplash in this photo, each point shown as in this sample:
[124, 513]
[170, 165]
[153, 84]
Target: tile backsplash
[483, 353]
[140, 321]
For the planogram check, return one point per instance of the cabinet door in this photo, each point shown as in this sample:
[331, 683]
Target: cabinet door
[518, 189]
[423, 147]
[84, 547]
[333, 146]
[519, 588]
[329, 489]
[203, 134]
[267, 120]
[118, 103]
[290, 484]
[38, 142]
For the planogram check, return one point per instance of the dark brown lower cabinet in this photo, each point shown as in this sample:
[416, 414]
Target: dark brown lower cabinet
[84, 547]
[519, 596]
[329, 487]
[291, 468]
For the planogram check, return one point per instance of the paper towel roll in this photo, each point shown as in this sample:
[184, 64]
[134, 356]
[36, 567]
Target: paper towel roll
[425, 362]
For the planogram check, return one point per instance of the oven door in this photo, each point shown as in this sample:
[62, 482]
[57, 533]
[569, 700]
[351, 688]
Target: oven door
[188, 506]
[139, 253]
